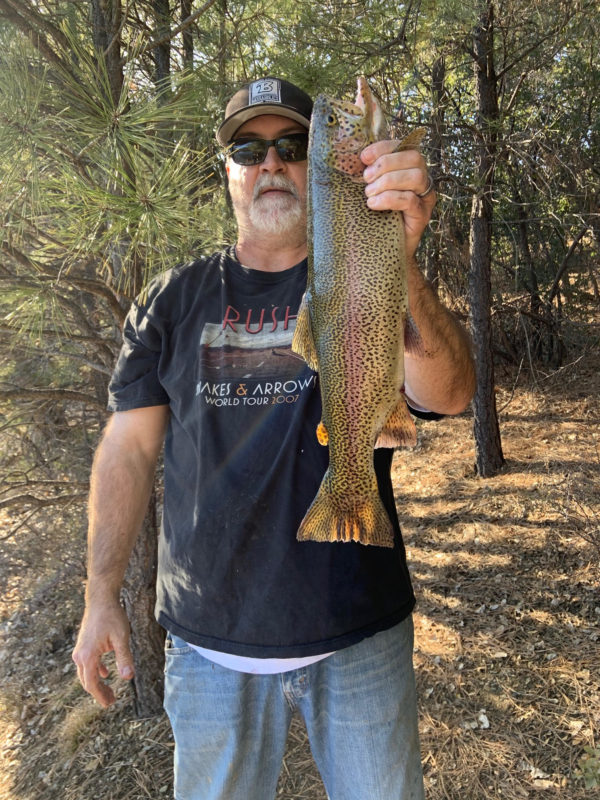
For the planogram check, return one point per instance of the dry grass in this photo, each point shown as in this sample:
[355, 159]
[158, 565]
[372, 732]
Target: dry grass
[508, 623]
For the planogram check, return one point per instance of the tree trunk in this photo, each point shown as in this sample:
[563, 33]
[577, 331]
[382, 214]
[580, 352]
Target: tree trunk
[488, 447]
[147, 637]
[162, 51]
[187, 36]
[529, 279]
[438, 77]
[106, 28]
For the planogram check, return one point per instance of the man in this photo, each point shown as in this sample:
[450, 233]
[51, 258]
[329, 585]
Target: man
[258, 623]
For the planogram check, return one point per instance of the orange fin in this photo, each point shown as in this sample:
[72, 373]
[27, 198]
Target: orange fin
[303, 342]
[322, 434]
[333, 519]
[399, 429]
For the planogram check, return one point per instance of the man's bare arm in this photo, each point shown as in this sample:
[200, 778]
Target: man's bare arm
[441, 376]
[121, 483]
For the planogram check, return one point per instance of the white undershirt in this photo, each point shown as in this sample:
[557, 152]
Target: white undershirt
[257, 666]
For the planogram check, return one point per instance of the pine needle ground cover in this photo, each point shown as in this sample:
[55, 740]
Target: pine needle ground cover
[507, 623]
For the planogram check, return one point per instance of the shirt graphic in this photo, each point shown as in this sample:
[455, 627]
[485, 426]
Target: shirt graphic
[248, 359]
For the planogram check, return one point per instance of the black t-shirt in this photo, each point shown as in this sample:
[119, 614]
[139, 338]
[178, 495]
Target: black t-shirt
[242, 464]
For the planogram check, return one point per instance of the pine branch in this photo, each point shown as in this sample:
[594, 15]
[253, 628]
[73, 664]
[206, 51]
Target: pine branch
[172, 34]
[42, 502]
[38, 40]
[562, 24]
[53, 333]
[21, 393]
[53, 272]
[38, 20]
[565, 264]
[10, 485]
[100, 289]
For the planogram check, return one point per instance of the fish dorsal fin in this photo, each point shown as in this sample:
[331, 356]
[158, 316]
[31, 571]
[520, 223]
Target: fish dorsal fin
[411, 141]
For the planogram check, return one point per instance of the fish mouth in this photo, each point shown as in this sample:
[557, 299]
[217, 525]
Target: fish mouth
[354, 147]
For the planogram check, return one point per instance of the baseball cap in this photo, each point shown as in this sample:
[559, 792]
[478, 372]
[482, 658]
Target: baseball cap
[264, 96]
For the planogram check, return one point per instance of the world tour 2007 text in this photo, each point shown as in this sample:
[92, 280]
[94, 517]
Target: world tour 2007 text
[274, 400]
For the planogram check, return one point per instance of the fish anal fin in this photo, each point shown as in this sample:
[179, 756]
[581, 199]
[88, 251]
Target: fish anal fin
[303, 342]
[399, 429]
[333, 519]
[322, 434]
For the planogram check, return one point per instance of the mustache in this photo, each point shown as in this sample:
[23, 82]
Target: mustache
[265, 182]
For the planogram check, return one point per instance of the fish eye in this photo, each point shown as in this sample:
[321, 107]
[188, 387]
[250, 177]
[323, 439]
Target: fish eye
[331, 120]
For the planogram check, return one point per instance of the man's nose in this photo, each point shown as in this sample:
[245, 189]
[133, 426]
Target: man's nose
[273, 162]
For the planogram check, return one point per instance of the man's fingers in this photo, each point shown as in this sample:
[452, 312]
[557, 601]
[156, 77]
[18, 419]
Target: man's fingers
[99, 690]
[405, 180]
[379, 155]
[91, 672]
[104, 629]
[407, 201]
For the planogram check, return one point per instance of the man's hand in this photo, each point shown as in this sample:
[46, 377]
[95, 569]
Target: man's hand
[104, 628]
[394, 181]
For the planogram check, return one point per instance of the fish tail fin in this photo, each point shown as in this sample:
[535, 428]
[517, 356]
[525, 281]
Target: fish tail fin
[339, 519]
[303, 341]
[399, 429]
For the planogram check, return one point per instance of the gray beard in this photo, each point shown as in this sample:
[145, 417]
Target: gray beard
[276, 215]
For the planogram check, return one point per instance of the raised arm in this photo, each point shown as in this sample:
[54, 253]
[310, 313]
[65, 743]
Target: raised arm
[441, 377]
[121, 483]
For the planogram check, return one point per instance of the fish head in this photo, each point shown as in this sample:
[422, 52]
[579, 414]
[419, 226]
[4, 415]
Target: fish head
[340, 131]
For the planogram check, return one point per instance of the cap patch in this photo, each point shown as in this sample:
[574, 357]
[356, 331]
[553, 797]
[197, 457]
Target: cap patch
[265, 91]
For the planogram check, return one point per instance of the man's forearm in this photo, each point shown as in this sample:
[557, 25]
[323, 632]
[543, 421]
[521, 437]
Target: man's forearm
[121, 484]
[120, 489]
[441, 376]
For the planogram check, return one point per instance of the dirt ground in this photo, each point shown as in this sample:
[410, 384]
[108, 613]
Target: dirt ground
[507, 623]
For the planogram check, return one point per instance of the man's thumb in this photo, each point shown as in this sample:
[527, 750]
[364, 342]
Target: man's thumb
[124, 661]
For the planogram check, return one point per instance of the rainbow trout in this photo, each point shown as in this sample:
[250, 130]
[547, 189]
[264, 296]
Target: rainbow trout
[351, 323]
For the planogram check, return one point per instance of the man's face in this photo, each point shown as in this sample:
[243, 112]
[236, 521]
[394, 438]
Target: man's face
[269, 197]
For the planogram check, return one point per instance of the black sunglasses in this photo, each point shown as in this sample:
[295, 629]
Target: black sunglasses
[248, 152]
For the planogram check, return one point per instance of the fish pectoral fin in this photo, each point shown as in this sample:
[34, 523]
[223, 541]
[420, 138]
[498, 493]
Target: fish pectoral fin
[413, 343]
[303, 341]
[322, 434]
[340, 519]
[399, 429]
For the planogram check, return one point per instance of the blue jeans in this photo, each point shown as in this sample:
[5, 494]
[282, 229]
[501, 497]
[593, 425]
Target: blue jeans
[359, 707]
